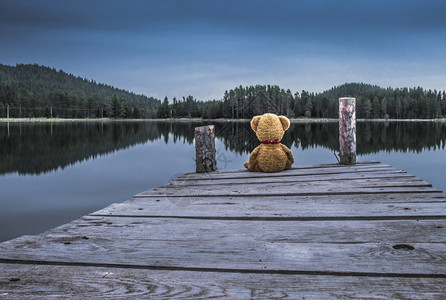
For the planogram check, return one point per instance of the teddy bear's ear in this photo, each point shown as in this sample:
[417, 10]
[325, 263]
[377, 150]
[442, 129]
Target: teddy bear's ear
[285, 122]
[255, 123]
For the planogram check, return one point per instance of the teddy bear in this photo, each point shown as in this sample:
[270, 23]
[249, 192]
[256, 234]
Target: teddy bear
[271, 155]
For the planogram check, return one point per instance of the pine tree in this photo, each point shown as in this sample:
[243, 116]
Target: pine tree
[376, 108]
[2, 110]
[116, 107]
[384, 110]
[47, 112]
[443, 104]
[163, 110]
[136, 114]
[308, 108]
[367, 108]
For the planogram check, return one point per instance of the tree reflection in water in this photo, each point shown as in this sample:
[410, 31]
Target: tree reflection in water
[35, 148]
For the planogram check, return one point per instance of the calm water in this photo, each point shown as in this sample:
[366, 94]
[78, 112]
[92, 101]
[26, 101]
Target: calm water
[51, 174]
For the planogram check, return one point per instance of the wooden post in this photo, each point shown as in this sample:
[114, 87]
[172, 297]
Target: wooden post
[7, 111]
[347, 131]
[205, 149]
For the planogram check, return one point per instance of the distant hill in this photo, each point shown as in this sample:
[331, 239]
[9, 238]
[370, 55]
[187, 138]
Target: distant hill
[352, 90]
[34, 90]
[401, 103]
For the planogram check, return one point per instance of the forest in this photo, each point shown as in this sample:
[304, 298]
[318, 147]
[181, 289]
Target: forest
[28, 91]
[39, 91]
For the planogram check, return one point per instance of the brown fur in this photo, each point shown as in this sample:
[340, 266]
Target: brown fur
[270, 157]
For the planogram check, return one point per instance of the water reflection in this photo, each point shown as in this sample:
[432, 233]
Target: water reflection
[34, 148]
[373, 137]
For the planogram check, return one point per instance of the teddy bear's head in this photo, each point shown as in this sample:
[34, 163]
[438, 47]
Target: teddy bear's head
[269, 127]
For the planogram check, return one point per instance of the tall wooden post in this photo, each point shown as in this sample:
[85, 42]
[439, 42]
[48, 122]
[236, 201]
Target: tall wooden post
[347, 131]
[7, 111]
[205, 149]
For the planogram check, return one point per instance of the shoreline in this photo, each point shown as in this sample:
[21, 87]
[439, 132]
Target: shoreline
[292, 120]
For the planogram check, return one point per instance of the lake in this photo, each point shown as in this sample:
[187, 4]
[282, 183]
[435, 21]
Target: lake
[52, 173]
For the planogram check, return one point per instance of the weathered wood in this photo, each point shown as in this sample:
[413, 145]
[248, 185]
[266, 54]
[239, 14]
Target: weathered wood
[205, 149]
[305, 208]
[217, 180]
[296, 189]
[347, 131]
[328, 169]
[34, 281]
[327, 180]
[365, 247]
[328, 231]
[372, 180]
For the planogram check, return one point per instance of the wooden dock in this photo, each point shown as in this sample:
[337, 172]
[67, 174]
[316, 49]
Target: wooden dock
[317, 232]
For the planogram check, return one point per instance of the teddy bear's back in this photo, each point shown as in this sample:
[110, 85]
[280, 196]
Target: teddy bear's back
[271, 158]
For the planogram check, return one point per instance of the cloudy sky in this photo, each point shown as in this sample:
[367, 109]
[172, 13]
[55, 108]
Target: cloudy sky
[204, 47]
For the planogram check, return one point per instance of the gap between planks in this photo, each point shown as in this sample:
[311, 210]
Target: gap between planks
[285, 219]
[330, 193]
[221, 270]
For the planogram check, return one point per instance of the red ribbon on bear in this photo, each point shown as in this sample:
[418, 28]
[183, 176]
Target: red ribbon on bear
[276, 141]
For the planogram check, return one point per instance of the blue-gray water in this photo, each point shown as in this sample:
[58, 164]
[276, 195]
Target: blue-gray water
[51, 174]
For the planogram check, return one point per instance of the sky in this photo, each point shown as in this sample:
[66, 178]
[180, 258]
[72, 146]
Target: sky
[177, 48]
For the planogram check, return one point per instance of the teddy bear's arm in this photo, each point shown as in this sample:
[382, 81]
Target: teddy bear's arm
[252, 164]
[290, 156]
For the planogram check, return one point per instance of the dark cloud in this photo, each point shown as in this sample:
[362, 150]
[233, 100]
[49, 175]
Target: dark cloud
[35, 14]
[244, 16]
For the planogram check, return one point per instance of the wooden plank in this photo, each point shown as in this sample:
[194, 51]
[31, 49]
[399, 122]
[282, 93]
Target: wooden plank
[334, 184]
[311, 199]
[359, 186]
[332, 169]
[289, 172]
[298, 167]
[306, 199]
[357, 180]
[304, 167]
[350, 206]
[365, 247]
[327, 169]
[215, 180]
[32, 281]
[310, 182]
